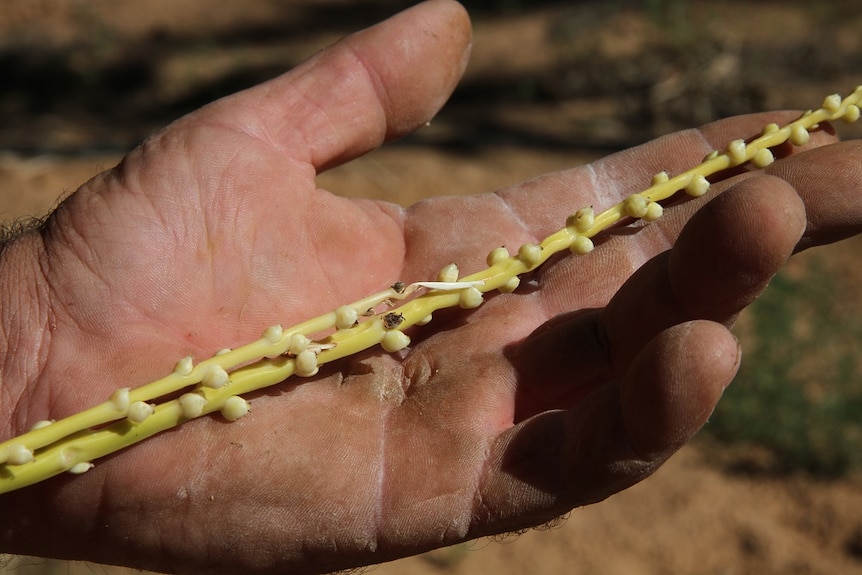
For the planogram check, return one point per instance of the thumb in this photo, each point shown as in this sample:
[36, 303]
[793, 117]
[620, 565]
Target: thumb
[373, 86]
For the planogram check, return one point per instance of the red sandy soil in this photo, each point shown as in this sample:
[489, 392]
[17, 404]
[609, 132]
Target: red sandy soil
[693, 516]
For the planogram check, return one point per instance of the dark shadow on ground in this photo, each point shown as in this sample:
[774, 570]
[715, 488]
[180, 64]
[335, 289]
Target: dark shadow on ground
[668, 67]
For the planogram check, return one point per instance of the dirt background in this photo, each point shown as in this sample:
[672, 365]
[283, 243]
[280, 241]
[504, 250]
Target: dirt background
[551, 85]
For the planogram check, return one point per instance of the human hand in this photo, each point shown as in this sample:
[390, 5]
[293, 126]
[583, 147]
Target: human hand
[495, 419]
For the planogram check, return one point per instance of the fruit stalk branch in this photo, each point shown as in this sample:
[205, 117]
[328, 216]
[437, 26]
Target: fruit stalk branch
[217, 384]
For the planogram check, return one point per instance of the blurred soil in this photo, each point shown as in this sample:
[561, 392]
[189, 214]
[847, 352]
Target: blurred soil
[551, 85]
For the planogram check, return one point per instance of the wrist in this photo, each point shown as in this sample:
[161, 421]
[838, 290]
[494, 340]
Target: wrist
[24, 321]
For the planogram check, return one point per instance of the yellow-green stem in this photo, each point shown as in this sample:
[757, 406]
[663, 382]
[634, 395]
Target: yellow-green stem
[215, 384]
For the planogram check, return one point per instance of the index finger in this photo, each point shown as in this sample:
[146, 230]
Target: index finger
[468, 227]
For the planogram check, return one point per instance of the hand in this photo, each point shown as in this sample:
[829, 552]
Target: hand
[577, 386]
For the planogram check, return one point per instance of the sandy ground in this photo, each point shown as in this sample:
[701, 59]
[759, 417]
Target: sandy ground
[693, 517]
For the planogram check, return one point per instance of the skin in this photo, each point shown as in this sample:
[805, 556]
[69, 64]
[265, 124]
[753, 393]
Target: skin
[538, 402]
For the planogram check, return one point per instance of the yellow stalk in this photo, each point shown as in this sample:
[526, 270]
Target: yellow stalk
[216, 384]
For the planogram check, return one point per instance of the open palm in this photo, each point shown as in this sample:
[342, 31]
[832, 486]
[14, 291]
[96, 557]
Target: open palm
[539, 401]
